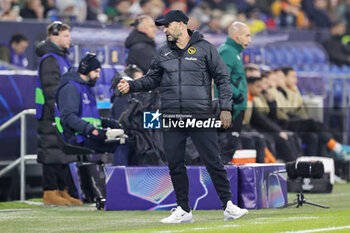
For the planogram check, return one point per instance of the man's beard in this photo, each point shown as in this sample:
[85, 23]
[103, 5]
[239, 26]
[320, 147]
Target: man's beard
[92, 82]
[173, 38]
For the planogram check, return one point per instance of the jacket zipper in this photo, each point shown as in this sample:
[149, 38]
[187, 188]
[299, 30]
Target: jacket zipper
[180, 84]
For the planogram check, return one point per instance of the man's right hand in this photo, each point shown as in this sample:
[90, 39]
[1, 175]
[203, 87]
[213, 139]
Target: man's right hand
[123, 86]
[284, 135]
[226, 118]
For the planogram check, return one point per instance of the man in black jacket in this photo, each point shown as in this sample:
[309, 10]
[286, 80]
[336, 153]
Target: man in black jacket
[183, 69]
[140, 43]
[338, 53]
[53, 63]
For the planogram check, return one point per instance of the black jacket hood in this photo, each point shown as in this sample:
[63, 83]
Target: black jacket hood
[72, 75]
[137, 37]
[46, 46]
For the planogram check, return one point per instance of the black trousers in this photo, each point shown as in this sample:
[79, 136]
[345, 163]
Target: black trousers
[55, 176]
[206, 142]
[309, 125]
[120, 156]
[230, 143]
[254, 140]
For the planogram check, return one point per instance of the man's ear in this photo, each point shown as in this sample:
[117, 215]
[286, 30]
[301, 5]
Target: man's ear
[182, 25]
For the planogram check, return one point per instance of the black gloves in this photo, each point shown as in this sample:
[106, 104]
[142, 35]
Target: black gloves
[97, 134]
[239, 99]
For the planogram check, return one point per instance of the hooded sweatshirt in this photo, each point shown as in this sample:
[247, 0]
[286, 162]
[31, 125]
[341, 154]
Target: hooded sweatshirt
[141, 50]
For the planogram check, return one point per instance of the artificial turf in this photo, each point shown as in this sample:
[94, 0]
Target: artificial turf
[21, 217]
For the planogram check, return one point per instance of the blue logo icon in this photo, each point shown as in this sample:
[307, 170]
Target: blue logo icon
[152, 120]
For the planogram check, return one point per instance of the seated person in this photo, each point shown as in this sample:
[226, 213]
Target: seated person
[293, 122]
[294, 97]
[338, 52]
[144, 147]
[266, 104]
[253, 119]
[13, 52]
[77, 112]
[121, 102]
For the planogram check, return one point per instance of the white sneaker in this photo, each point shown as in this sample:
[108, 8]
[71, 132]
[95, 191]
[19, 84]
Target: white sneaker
[178, 215]
[233, 212]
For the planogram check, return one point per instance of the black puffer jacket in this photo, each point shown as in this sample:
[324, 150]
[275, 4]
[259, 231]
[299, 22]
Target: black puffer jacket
[48, 150]
[141, 50]
[185, 77]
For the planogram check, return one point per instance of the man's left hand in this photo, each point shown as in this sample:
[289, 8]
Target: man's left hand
[226, 118]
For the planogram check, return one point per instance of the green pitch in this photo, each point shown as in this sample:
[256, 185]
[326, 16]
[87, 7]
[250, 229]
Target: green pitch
[20, 217]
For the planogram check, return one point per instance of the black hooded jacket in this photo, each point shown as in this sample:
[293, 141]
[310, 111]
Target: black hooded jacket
[185, 77]
[141, 50]
[48, 150]
[338, 53]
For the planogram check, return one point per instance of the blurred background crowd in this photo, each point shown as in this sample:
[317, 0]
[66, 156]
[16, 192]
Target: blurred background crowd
[212, 16]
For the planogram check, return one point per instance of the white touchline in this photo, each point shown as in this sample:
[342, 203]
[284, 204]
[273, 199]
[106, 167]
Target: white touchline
[319, 230]
[196, 229]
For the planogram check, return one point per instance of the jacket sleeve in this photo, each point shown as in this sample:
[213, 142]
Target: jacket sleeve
[218, 70]
[230, 62]
[149, 81]
[263, 122]
[336, 53]
[50, 81]
[68, 99]
[273, 109]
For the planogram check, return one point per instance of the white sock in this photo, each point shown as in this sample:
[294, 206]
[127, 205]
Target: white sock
[337, 148]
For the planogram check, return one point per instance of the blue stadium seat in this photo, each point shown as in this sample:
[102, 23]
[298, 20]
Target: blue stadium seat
[117, 55]
[107, 93]
[72, 55]
[309, 58]
[288, 58]
[101, 55]
[84, 51]
[319, 55]
[108, 75]
[257, 56]
[101, 79]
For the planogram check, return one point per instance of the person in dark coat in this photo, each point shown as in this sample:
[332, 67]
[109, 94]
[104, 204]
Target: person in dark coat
[338, 53]
[140, 43]
[78, 117]
[238, 39]
[53, 63]
[184, 69]
[121, 102]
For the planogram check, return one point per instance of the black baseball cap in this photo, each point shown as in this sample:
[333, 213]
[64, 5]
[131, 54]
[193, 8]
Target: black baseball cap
[171, 16]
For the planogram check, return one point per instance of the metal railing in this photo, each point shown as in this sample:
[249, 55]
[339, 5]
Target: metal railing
[22, 159]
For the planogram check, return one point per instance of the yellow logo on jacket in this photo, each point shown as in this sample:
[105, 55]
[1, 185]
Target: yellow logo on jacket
[191, 50]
